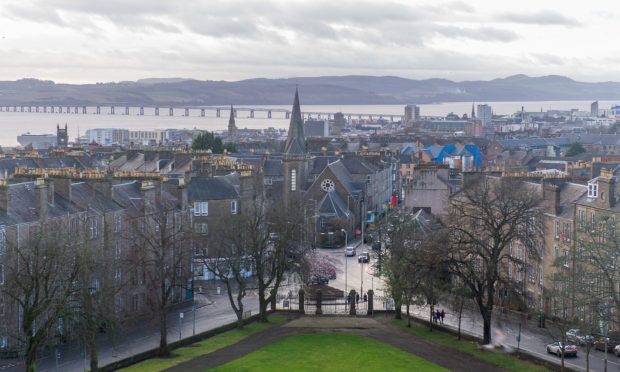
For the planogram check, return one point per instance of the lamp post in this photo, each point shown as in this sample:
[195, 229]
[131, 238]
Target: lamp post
[346, 244]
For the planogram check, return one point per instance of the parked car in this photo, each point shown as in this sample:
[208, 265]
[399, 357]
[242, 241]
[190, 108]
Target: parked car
[612, 342]
[558, 348]
[575, 335]
[364, 257]
[319, 280]
[349, 251]
[376, 245]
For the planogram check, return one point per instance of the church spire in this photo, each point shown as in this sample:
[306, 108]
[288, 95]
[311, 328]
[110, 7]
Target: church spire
[232, 128]
[473, 113]
[296, 142]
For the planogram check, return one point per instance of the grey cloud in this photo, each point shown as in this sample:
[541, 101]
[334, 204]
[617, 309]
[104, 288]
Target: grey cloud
[543, 18]
[480, 34]
[547, 59]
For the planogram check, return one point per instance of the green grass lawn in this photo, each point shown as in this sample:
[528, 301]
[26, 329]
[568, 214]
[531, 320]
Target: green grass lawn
[207, 346]
[506, 361]
[329, 352]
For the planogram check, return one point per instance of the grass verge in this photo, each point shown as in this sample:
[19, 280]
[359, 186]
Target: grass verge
[329, 352]
[206, 346]
[505, 361]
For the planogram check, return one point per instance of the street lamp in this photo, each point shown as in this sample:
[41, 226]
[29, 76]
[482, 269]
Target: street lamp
[346, 244]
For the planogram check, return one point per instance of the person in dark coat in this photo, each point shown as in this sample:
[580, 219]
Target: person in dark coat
[442, 315]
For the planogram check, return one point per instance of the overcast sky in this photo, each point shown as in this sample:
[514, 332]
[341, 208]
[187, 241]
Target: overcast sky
[111, 40]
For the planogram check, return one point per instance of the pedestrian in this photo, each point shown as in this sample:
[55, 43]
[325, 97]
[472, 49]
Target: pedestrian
[437, 316]
[365, 297]
[357, 298]
[443, 315]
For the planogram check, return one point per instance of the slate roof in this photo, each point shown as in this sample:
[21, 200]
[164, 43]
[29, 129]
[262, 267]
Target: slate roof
[333, 206]
[213, 188]
[85, 196]
[272, 167]
[23, 207]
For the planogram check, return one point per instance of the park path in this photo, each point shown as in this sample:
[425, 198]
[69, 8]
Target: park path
[380, 330]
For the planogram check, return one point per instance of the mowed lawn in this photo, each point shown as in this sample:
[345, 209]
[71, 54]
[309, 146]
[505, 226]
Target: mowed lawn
[206, 346]
[329, 352]
[508, 362]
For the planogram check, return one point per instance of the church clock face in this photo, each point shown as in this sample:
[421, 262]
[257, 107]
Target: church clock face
[328, 185]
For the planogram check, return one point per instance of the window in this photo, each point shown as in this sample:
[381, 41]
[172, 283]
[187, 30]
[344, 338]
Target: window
[4, 342]
[134, 302]
[201, 228]
[233, 207]
[557, 229]
[592, 221]
[201, 208]
[118, 275]
[93, 228]
[268, 181]
[2, 240]
[1, 274]
[118, 223]
[592, 190]
[2, 310]
[566, 232]
[117, 250]
[565, 258]
[293, 179]
[582, 218]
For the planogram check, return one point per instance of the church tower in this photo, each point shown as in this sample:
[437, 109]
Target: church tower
[62, 137]
[295, 158]
[232, 128]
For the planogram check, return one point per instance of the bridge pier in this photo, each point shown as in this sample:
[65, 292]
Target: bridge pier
[391, 118]
[186, 111]
[288, 115]
[83, 109]
[251, 114]
[141, 110]
[126, 110]
[22, 108]
[60, 109]
[360, 117]
[202, 112]
[318, 116]
[44, 108]
[68, 109]
[98, 110]
[217, 113]
[171, 112]
[36, 109]
[76, 110]
[111, 110]
[156, 111]
[370, 117]
[329, 116]
[269, 114]
[29, 108]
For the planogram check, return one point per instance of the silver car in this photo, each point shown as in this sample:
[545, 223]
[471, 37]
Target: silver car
[349, 251]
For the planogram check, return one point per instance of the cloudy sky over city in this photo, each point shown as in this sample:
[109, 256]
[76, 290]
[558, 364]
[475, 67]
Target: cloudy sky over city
[81, 41]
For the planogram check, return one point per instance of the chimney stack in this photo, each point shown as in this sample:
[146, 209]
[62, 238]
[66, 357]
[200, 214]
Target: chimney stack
[606, 189]
[551, 195]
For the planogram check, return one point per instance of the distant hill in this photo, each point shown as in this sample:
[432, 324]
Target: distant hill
[340, 90]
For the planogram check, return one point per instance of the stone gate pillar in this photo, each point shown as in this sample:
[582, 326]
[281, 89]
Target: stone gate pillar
[352, 303]
[301, 301]
[371, 297]
[319, 302]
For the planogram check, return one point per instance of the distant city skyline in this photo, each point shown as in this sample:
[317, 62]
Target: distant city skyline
[75, 41]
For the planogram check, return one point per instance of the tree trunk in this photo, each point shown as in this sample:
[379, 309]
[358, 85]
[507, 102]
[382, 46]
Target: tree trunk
[163, 334]
[430, 322]
[398, 307]
[92, 352]
[408, 316]
[486, 332]
[460, 317]
[262, 306]
[31, 355]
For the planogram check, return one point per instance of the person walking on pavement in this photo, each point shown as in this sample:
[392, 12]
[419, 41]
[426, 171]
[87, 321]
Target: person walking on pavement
[443, 315]
[357, 298]
[437, 316]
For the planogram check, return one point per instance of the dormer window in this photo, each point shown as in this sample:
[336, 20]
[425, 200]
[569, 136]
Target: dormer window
[592, 190]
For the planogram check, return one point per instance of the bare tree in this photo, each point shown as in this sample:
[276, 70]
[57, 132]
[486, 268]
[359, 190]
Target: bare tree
[40, 280]
[161, 252]
[487, 215]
